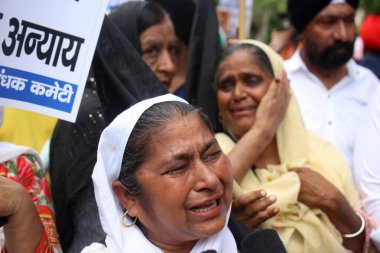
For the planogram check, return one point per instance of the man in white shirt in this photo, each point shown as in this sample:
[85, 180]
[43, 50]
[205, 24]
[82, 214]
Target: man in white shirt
[367, 163]
[332, 90]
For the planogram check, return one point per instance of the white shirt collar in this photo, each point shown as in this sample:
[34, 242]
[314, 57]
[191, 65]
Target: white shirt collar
[295, 62]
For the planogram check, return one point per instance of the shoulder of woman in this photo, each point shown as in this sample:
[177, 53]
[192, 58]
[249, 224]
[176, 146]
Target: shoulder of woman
[323, 150]
[95, 248]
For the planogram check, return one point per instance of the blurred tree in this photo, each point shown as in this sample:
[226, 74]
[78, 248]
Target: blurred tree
[267, 14]
[370, 6]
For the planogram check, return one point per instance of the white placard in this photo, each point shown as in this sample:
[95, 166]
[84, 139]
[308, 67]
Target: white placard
[232, 6]
[46, 49]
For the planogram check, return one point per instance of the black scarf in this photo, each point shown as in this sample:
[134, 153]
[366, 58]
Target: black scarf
[122, 76]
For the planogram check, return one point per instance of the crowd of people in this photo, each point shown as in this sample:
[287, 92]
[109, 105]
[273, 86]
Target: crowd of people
[182, 144]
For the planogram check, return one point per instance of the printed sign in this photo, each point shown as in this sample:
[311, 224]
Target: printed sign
[228, 14]
[46, 49]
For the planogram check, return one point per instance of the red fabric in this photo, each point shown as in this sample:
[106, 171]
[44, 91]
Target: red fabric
[44, 245]
[370, 33]
[27, 171]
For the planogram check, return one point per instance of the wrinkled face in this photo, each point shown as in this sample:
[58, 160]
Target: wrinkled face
[329, 38]
[241, 85]
[160, 50]
[186, 184]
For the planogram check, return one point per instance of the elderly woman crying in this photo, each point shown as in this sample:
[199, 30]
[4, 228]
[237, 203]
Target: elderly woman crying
[287, 178]
[162, 183]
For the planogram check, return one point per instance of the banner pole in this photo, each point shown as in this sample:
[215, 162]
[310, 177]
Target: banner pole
[242, 15]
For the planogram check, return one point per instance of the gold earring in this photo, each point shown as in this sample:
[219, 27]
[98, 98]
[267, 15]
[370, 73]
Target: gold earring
[123, 220]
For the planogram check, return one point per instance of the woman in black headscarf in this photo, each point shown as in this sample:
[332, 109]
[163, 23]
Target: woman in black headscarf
[150, 32]
[182, 14]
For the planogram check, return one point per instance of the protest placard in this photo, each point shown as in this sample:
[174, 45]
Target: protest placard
[46, 49]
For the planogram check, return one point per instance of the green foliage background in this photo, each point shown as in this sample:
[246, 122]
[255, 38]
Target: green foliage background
[268, 14]
[370, 6]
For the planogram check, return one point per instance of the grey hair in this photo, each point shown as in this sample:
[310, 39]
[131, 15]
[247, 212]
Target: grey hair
[258, 55]
[150, 123]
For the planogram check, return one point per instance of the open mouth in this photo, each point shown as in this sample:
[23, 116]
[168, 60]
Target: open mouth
[205, 207]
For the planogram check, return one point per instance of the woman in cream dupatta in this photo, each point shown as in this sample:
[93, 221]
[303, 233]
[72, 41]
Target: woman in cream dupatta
[315, 193]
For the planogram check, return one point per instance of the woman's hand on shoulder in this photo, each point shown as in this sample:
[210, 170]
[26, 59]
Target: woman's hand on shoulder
[273, 106]
[253, 208]
[316, 191]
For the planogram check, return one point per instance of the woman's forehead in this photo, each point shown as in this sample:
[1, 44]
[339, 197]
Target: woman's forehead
[180, 131]
[237, 60]
[241, 55]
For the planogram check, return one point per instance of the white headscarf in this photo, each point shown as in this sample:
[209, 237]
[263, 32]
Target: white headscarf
[111, 148]
[337, 1]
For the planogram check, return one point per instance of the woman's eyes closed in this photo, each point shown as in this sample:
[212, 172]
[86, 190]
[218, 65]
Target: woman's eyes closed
[252, 80]
[177, 169]
[211, 155]
[181, 168]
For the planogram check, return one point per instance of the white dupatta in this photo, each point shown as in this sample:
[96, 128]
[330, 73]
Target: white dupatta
[111, 147]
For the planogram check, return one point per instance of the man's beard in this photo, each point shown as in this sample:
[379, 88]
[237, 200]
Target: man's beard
[329, 58]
